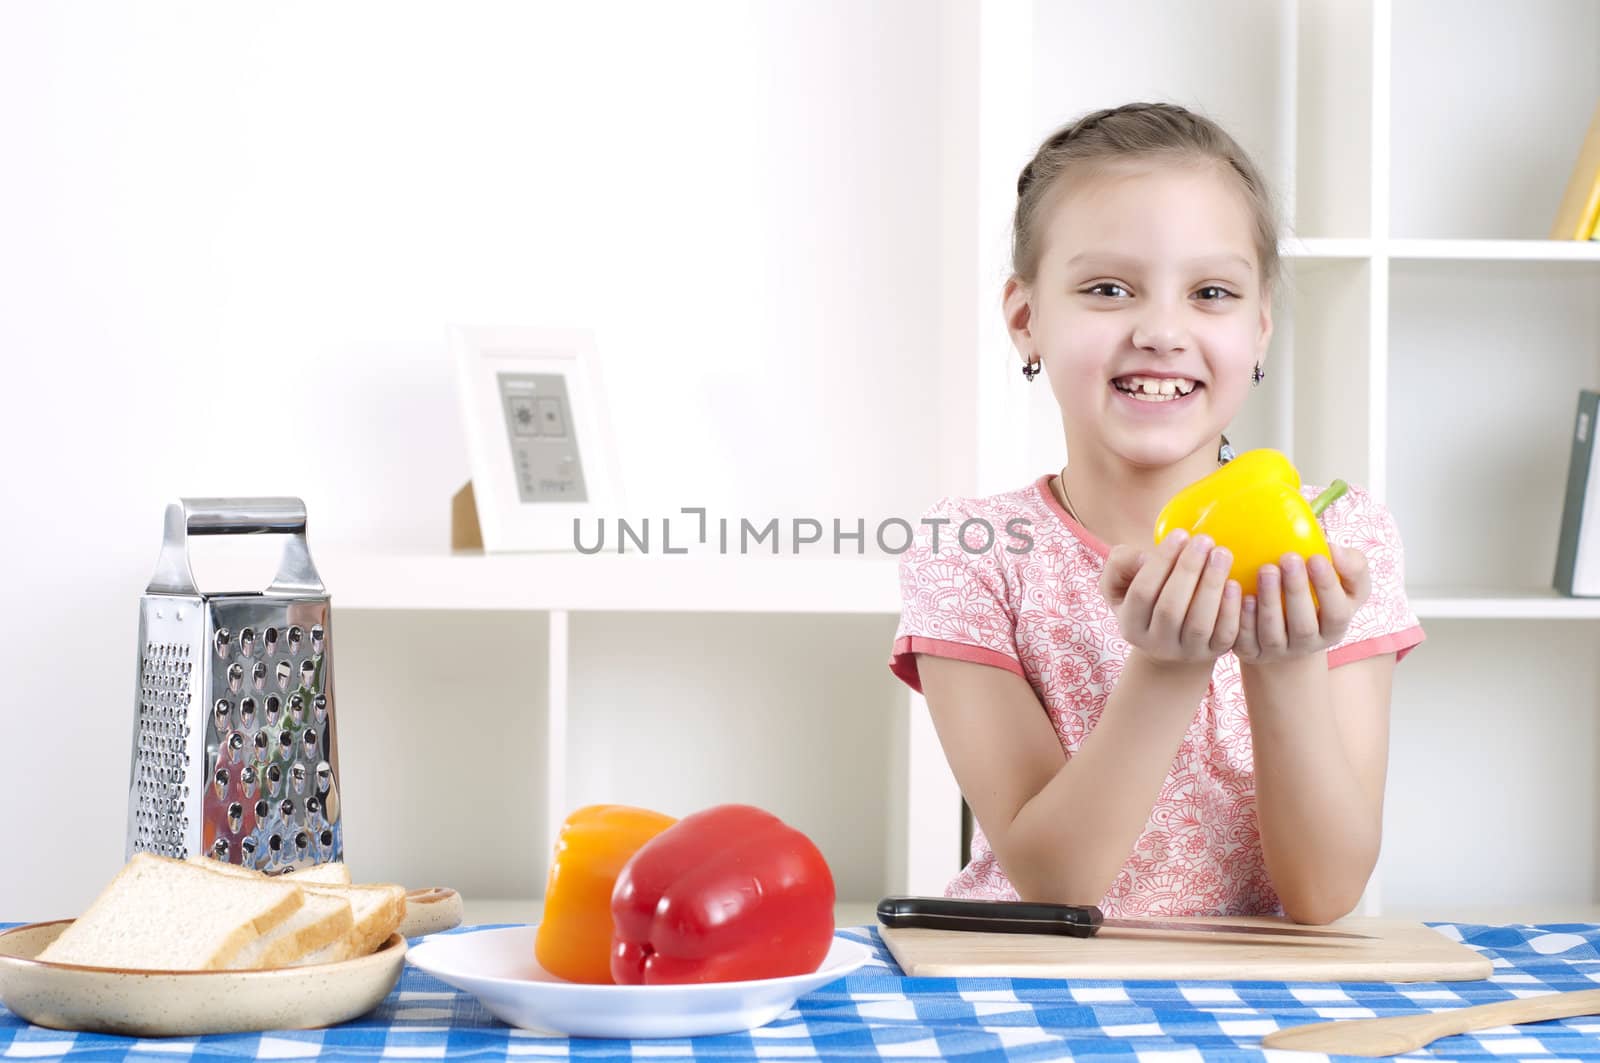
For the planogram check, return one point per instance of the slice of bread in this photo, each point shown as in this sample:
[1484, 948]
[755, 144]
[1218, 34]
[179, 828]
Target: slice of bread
[378, 911]
[321, 921]
[335, 874]
[165, 914]
[324, 919]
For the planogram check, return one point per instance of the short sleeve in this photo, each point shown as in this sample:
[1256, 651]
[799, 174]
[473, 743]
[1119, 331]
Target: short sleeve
[1385, 622]
[954, 601]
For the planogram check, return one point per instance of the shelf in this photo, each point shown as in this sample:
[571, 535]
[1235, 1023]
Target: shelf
[1455, 603]
[362, 580]
[541, 582]
[1443, 250]
[1497, 250]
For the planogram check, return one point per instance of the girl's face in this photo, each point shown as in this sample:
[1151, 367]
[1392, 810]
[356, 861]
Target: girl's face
[1147, 312]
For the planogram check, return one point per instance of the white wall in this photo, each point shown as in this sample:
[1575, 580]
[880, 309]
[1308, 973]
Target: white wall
[231, 237]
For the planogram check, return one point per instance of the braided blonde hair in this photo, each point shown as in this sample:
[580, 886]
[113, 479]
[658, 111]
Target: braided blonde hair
[1132, 132]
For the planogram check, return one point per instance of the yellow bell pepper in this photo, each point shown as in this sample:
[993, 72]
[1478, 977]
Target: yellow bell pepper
[574, 936]
[1254, 507]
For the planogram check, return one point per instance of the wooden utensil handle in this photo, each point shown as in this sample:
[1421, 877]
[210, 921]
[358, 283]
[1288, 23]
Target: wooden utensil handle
[1405, 1033]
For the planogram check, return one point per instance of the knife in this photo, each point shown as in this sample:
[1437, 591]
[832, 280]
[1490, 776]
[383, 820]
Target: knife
[1072, 920]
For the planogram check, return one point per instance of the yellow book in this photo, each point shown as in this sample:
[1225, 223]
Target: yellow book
[1580, 205]
[1590, 223]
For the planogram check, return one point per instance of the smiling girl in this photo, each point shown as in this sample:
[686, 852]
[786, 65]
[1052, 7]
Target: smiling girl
[1129, 729]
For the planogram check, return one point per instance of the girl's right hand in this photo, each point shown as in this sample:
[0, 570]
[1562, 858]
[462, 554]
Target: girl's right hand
[1175, 603]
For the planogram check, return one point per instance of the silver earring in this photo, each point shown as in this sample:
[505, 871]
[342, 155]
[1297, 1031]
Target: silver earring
[1257, 375]
[1225, 452]
[1031, 370]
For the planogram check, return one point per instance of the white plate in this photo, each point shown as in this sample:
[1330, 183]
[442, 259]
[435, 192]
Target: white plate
[135, 1003]
[498, 967]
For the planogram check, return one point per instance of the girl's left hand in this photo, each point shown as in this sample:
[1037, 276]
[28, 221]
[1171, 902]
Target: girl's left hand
[1283, 627]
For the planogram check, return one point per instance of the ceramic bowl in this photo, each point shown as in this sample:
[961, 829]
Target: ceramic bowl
[139, 1003]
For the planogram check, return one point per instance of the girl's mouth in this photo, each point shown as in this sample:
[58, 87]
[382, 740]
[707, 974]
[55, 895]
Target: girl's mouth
[1156, 391]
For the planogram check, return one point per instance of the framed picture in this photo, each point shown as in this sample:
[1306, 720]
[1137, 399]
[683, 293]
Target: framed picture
[539, 437]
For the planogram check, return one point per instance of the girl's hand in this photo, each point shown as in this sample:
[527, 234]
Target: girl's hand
[1175, 603]
[1286, 626]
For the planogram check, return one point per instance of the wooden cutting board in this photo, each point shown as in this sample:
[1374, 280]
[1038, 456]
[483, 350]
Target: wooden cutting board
[1398, 952]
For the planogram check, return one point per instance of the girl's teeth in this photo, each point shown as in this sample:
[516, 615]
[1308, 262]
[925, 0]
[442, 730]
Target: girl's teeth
[1147, 389]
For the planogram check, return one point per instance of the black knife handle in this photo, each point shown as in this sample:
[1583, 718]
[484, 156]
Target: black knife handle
[995, 917]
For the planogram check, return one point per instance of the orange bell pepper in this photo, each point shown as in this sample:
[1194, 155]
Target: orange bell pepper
[1254, 507]
[574, 936]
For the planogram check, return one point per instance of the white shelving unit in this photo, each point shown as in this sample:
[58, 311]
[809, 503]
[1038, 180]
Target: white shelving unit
[1429, 346]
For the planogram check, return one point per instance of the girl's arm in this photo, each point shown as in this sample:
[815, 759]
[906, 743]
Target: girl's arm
[1061, 830]
[1321, 740]
[1320, 736]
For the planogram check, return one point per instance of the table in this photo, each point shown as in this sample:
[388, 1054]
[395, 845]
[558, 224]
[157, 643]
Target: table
[878, 1013]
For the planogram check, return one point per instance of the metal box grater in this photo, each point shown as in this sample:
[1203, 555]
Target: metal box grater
[234, 752]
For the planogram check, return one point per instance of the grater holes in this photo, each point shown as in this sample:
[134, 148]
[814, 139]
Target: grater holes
[247, 641]
[159, 793]
[296, 636]
[284, 671]
[269, 641]
[319, 708]
[274, 708]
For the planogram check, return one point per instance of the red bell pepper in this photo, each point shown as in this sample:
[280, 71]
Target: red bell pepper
[725, 894]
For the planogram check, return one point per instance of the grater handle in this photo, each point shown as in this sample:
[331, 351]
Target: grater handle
[244, 516]
[236, 516]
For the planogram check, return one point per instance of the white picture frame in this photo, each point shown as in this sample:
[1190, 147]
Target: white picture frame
[499, 369]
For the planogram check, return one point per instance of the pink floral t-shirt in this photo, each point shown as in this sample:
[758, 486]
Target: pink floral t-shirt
[1020, 591]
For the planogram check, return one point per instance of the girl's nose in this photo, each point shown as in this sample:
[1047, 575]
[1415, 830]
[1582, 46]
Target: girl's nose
[1160, 328]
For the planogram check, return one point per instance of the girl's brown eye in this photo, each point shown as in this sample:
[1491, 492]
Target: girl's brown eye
[1221, 293]
[1100, 289]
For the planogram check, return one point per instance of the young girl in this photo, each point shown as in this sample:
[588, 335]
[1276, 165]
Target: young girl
[1128, 729]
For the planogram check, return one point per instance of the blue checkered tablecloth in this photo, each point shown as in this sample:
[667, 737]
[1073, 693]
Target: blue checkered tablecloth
[877, 1012]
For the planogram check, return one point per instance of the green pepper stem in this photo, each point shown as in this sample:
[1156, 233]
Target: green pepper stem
[1328, 497]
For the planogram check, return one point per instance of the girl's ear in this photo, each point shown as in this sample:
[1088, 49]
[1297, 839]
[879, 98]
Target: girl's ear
[1017, 307]
[1266, 323]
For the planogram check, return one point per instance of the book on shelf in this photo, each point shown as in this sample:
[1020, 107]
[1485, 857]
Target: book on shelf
[1578, 548]
[1580, 204]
